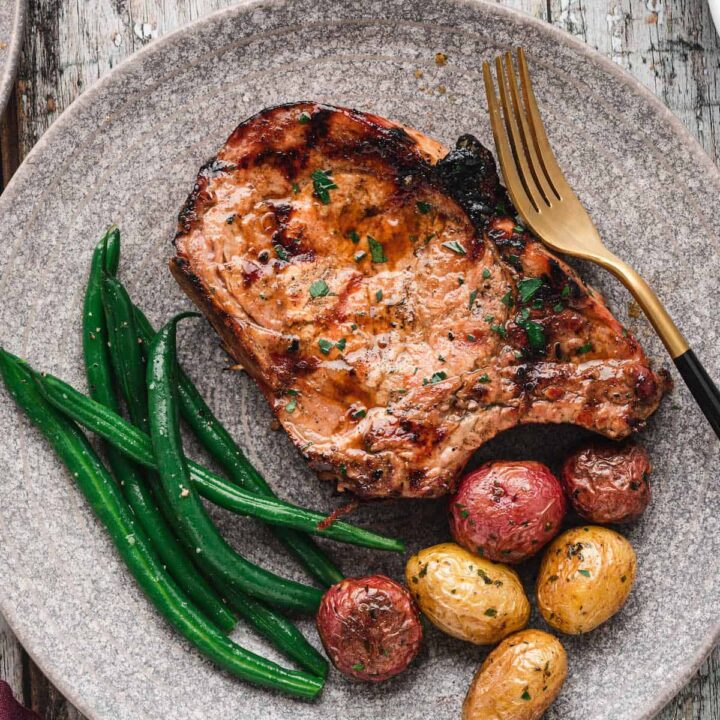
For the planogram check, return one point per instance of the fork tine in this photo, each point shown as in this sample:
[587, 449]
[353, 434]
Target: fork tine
[534, 162]
[549, 164]
[504, 152]
[516, 143]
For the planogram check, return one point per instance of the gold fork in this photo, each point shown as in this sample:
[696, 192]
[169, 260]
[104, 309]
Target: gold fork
[551, 209]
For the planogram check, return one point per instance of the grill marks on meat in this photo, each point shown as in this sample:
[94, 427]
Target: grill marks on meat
[407, 320]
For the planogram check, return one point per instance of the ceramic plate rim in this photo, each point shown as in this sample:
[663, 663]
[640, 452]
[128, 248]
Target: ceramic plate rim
[159, 46]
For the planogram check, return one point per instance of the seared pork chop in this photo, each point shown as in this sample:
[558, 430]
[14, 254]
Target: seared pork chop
[392, 311]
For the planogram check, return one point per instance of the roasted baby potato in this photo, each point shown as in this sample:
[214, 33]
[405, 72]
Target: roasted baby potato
[519, 680]
[607, 482]
[507, 511]
[585, 577]
[369, 627]
[466, 596]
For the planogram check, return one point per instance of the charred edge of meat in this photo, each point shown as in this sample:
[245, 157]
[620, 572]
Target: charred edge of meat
[189, 212]
[194, 288]
[469, 175]
[390, 144]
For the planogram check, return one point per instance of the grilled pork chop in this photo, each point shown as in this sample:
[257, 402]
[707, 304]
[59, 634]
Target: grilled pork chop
[390, 308]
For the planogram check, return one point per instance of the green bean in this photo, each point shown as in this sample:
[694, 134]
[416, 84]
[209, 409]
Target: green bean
[112, 250]
[182, 498]
[280, 631]
[219, 443]
[104, 497]
[99, 374]
[137, 445]
[125, 353]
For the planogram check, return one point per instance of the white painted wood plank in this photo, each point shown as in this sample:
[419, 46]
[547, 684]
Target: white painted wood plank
[11, 670]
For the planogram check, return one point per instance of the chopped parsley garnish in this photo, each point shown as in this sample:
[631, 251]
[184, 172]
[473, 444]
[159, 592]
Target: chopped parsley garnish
[489, 318]
[441, 358]
[319, 288]
[436, 377]
[535, 334]
[423, 207]
[304, 117]
[463, 510]
[325, 346]
[507, 299]
[484, 378]
[491, 612]
[379, 295]
[281, 252]
[486, 273]
[353, 326]
[343, 469]
[559, 307]
[358, 667]
[360, 255]
[358, 414]
[528, 287]
[461, 279]
[586, 573]
[586, 348]
[525, 695]
[295, 188]
[352, 234]
[455, 246]
[290, 407]
[470, 337]
[473, 297]
[323, 183]
[522, 316]
[565, 292]
[377, 252]
[518, 229]
[230, 219]
[499, 329]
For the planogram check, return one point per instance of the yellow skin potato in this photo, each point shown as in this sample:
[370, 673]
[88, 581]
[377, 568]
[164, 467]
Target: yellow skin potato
[519, 680]
[466, 596]
[585, 577]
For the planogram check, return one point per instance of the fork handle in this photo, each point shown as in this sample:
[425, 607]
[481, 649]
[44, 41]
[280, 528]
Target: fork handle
[703, 389]
[701, 386]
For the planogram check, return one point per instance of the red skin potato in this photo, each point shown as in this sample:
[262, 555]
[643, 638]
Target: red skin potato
[607, 483]
[507, 511]
[370, 627]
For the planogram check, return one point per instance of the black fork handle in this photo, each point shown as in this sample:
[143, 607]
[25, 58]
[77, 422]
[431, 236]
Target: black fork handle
[701, 386]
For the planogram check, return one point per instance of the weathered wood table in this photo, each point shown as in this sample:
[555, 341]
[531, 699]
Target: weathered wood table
[669, 45]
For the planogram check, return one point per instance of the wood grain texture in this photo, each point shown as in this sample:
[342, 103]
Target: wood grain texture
[669, 45]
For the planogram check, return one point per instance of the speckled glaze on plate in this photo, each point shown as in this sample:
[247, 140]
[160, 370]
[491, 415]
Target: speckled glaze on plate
[127, 151]
[12, 24]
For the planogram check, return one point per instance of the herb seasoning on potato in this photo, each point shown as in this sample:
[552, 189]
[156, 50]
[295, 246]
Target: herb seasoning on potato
[585, 577]
[466, 596]
[519, 680]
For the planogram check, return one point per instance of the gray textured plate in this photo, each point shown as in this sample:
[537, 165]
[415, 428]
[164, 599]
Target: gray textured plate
[127, 151]
[12, 24]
